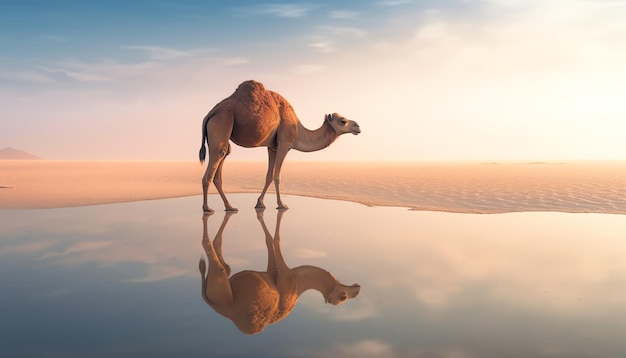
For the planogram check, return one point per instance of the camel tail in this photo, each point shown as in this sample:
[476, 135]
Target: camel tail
[202, 152]
[203, 277]
[202, 267]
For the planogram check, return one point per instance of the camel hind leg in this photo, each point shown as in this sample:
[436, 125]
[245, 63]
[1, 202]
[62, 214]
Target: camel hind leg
[219, 129]
[216, 288]
[217, 180]
[217, 241]
[211, 169]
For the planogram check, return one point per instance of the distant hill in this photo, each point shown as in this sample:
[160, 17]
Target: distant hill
[9, 153]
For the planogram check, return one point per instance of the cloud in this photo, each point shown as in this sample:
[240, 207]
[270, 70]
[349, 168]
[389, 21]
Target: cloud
[326, 37]
[343, 14]
[26, 76]
[365, 348]
[159, 273]
[324, 45]
[53, 38]
[309, 253]
[101, 71]
[528, 63]
[496, 48]
[161, 63]
[285, 10]
[360, 309]
[79, 248]
[158, 53]
[308, 69]
[234, 61]
[343, 31]
[79, 76]
[25, 248]
[394, 2]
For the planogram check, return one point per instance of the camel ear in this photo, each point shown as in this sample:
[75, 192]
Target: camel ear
[354, 290]
[329, 117]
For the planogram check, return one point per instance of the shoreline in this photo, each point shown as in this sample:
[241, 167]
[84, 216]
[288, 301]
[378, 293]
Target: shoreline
[456, 187]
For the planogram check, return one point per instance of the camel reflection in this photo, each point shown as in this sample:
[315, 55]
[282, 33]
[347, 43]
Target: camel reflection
[254, 299]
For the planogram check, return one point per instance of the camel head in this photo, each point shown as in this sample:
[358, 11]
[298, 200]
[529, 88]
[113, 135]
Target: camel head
[341, 293]
[342, 125]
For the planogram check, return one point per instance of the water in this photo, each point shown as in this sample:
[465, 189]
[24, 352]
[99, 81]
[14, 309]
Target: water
[122, 280]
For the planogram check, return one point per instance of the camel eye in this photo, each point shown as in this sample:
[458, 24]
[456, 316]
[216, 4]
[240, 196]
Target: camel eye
[343, 298]
[343, 122]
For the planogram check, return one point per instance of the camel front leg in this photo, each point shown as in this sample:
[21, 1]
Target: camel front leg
[217, 180]
[269, 242]
[269, 177]
[281, 153]
[280, 261]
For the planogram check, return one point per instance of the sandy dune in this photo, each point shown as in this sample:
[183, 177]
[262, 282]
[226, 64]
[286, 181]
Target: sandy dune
[598, 187]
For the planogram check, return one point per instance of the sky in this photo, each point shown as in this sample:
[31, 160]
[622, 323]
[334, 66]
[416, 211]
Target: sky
[426, 80]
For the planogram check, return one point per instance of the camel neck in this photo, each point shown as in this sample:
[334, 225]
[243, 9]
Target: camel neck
[312, 277]
[313, 140]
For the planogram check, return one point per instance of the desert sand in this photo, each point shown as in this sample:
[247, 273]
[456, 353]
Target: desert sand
[463, 187]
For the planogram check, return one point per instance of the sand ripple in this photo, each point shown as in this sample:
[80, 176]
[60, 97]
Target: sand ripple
[467, 188]
[598, 187]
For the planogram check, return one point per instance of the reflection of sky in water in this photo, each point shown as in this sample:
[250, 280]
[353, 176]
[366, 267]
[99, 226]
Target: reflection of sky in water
[122, 280]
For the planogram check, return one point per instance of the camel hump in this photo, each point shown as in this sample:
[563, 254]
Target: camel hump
[252, 95]
[250, 86]
[256, 96]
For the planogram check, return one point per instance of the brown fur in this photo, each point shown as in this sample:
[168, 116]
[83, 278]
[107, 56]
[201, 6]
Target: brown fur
[255, 299]
[256, 117]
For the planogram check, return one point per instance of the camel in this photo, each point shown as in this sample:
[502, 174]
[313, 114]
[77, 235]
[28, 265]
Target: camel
[255, 117]
[254, 299]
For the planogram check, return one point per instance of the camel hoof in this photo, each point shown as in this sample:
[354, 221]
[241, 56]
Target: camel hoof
[208, 210]
[282, 207]
[260, 206]
[231, 210]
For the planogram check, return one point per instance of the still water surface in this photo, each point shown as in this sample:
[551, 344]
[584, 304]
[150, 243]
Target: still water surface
[123, 280]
